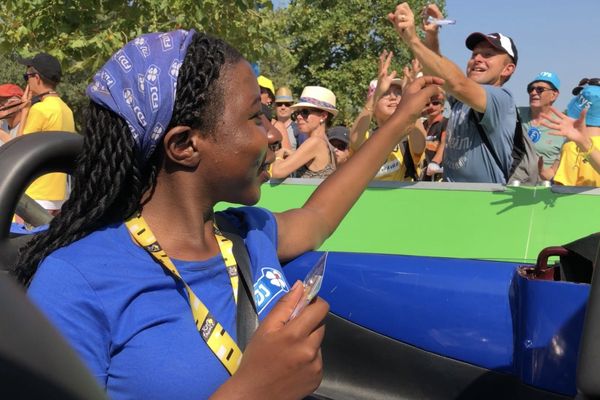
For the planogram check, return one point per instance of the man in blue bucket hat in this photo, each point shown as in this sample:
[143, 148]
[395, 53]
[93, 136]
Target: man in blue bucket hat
[543, 91]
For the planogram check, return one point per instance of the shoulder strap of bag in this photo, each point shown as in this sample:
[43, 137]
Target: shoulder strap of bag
[410, 169]
[486, 142]
[247, 318]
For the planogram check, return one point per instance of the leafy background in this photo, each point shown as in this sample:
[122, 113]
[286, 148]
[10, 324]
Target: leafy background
[332, 43]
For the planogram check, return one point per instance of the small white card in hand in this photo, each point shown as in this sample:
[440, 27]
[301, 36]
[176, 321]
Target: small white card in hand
[312, 285]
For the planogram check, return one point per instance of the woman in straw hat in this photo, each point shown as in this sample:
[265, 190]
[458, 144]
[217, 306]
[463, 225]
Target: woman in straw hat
[135, 271]
[316, 157]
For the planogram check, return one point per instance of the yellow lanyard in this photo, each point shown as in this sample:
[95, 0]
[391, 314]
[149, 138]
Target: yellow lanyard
[211, 331]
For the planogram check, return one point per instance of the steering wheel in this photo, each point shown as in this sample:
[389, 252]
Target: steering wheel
[22, 160]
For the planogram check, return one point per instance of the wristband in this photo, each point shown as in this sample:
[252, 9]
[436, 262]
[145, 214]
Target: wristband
[588, 153]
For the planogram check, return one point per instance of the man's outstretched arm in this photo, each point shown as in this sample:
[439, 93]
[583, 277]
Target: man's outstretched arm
[456, 83]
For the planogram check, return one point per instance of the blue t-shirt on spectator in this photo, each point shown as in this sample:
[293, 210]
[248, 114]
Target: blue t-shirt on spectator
[466, 158]
[131, 321]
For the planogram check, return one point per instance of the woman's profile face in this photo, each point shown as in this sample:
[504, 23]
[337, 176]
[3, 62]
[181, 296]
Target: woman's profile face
[236, 164]
[309, 119]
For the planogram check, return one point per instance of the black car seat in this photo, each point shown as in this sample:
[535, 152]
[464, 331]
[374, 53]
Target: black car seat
[35, 361]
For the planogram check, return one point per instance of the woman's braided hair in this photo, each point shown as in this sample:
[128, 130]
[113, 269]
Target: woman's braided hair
[109, 180]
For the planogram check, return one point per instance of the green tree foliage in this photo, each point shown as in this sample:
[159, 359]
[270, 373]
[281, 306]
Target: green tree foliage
[83, 34]
[333, 43]
[336, 44]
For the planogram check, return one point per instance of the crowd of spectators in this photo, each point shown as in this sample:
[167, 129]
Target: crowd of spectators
[467, 132]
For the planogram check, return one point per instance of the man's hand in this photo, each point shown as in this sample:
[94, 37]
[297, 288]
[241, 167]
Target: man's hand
[26, 98]
[545, 173]
[283, 359]
[403, 20]
[431, 10]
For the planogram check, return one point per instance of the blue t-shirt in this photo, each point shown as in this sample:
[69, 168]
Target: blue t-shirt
[131, 321]
[466, 158]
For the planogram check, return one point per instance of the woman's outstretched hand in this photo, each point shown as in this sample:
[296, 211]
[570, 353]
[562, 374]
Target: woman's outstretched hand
[283, 359]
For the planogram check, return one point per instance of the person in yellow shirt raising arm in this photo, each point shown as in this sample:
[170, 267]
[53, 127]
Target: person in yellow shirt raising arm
[383, 98]
[50, 113]
[580, 156]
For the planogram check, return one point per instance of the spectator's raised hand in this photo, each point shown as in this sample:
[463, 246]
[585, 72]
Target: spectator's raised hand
[26, 99]
[411, 72]
[384, 79]
[403, 20]
[417, 95]
[283, 359]
[562, 125]
[10, 107]
[431, 10]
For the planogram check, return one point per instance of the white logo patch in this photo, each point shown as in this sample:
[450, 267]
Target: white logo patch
[123, 61]
[268, 286]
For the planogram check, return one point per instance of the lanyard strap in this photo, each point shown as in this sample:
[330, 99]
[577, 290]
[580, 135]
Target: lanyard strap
[212, 332]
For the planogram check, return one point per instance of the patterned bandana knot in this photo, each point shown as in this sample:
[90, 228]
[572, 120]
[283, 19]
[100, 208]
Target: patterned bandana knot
[139, 83]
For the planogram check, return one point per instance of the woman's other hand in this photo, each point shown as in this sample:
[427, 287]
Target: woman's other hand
[283, 359]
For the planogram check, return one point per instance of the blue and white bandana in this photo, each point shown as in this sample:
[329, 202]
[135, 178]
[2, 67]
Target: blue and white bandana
[139, 83]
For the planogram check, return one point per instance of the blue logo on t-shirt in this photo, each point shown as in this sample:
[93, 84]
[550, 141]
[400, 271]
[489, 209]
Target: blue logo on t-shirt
[534, 134]
[270, 284]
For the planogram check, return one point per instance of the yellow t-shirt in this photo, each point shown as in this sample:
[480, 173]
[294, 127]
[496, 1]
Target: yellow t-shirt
[394, 168]
[573, 169]
[50, 114]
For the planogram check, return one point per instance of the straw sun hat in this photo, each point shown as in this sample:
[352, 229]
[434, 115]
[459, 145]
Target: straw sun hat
[317, 97]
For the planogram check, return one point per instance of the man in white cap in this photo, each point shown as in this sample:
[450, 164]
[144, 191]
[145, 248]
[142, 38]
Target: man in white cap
[477, 98]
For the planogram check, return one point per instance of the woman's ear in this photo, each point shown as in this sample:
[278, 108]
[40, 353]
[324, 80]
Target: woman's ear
[182, 147]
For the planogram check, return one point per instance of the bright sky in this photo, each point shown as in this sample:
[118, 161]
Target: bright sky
[562, 36]
[555, 35]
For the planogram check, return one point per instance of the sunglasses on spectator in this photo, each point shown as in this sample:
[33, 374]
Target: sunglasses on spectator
[537, 89]
[283, 104]
[304, 113]
[27, 75]
[433, 103]
[583, 82]
[338, 144]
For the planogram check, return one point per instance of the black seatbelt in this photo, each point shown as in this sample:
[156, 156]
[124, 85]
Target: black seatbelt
[246, 318]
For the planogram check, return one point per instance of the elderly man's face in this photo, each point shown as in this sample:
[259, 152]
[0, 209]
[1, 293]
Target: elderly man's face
[541, 94]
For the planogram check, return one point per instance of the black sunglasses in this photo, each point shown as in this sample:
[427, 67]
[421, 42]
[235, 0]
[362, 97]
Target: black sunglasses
[433, 103]
[28, 74]
[537, 89]
[304, 113]
[283, 104]
[583, 82]
[338, 144]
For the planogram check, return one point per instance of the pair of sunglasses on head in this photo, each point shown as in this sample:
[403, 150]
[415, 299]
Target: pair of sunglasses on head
[583, 82]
